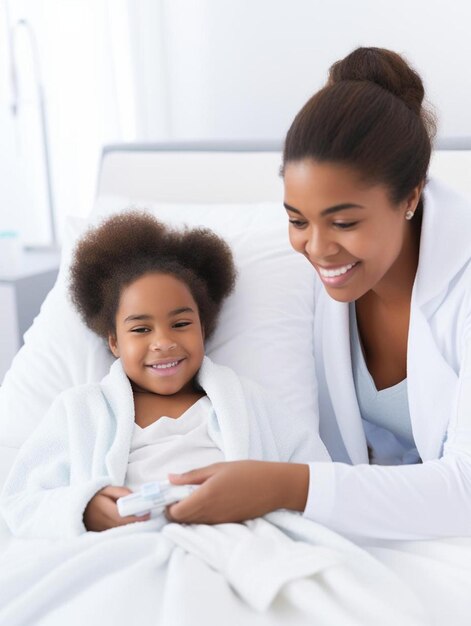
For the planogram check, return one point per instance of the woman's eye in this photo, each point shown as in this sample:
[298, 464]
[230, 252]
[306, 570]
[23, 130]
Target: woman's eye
[344, 225]
[297, 223]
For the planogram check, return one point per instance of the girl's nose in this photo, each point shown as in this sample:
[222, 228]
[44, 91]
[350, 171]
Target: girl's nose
[163, 344]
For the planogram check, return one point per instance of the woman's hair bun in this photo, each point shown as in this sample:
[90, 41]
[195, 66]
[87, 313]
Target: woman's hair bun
[385, 68]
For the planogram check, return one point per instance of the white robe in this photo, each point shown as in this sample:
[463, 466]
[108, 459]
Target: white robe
[83, 443]
[427, 500]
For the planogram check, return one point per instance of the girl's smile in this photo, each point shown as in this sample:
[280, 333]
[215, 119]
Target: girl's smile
[159, 337]
[165, 367]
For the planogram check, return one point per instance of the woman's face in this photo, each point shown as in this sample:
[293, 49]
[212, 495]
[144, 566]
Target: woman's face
[350, 231]
[158, 337]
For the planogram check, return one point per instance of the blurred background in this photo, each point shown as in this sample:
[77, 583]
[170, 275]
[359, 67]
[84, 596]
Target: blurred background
[77, 74]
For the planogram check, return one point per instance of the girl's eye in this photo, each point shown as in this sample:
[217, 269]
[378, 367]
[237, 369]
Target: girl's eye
[297, 223]
[344, 225]
[181, 324]
[140, 330]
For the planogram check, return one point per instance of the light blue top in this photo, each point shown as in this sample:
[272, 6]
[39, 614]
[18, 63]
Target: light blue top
[387, 409]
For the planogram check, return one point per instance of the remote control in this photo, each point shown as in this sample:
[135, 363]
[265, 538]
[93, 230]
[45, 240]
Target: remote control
[153, 497]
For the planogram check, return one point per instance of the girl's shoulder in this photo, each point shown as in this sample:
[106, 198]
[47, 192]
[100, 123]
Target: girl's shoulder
[78, 397]
[92, 388]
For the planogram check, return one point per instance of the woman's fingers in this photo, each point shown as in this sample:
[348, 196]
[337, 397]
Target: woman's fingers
[240, 490]
[212, 501]
[194, 477]
[190, 508]
[187, 510]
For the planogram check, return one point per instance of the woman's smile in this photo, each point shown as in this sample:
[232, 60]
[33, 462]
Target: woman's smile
[336, 276]
[356, 238]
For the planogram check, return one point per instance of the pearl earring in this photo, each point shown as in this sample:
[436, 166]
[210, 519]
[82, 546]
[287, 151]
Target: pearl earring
[409, 215]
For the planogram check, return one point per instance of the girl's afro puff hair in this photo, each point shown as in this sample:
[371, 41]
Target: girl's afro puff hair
[128, 245]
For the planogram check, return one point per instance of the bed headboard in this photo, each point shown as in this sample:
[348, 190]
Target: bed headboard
[231, 171]
[192, 172]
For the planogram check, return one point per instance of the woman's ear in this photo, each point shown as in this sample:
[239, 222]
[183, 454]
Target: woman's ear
[414, 197]
[113, 344]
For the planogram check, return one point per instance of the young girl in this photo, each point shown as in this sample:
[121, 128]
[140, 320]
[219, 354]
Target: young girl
[154, 295]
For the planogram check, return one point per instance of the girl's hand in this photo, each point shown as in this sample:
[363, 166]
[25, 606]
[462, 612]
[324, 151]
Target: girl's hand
[102, 512]
[240, 490]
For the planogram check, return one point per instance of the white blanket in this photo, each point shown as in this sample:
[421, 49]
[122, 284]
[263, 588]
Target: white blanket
[282, 569]
[437, 571]
[257, 573]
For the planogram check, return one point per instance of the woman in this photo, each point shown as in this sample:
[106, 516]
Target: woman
[392, 324]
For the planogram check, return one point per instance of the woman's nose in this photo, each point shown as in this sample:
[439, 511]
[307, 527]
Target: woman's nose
[319, 246]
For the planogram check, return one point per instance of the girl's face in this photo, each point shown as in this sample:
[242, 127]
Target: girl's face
[159, 336]
[352, 234]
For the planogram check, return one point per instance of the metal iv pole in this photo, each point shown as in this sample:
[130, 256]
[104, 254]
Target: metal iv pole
[24, 24]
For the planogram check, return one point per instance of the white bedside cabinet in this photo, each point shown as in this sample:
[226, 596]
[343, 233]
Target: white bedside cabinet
[22, 292]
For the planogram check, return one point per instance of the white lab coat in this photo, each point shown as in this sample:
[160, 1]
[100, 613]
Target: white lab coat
[432, 499]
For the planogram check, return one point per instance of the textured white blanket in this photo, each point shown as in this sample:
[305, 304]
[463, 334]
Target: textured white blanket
[280, 570]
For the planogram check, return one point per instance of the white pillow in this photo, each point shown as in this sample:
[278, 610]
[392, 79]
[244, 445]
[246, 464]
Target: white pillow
[264, 331]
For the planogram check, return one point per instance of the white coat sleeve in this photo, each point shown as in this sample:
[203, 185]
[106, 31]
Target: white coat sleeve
[422, 501]
[38, 499]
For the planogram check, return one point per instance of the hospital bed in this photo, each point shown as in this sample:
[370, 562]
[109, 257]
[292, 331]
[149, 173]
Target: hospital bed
[216, 173]
[234, 188]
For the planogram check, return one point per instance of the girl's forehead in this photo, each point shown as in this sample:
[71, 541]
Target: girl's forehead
[158, 291]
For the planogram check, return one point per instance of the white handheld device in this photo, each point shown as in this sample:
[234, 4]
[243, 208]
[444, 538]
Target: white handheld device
[152, 497]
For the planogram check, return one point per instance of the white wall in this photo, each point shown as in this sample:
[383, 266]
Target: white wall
[124, 70]
[22, 181]
[242, 68]
[83, 53]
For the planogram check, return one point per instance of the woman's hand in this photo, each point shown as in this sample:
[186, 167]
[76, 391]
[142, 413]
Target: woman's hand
[102, 512]
[240, 490]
